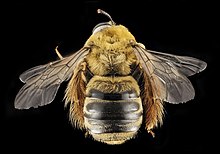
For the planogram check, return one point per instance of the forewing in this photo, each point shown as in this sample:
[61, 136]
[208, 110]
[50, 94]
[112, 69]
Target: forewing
[42, 82]
[168, 73]
[186, 65]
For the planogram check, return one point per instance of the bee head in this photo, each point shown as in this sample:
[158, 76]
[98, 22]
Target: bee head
[103, 25]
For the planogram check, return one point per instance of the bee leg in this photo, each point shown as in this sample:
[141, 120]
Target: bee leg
[154, 114]
[75, 96]
[58, 53]
[151, 132]
[86, 134]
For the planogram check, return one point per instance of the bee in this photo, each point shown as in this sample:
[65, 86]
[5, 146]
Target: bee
[115, 85]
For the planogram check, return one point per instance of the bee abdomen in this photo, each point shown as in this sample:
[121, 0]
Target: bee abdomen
[112, 110]
[112, 96]
[107, 114]
[112, 126]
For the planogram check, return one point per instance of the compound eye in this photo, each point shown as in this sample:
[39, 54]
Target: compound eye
[101, 26]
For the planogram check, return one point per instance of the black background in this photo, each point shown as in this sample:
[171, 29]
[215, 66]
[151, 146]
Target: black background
[30, 31]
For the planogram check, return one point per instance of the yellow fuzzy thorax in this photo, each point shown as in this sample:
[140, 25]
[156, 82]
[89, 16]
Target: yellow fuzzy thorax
[111, 50]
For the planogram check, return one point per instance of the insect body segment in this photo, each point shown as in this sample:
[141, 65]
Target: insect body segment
[115, 84]
[112, 109]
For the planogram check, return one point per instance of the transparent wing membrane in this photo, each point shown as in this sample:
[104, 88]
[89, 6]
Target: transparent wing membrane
[186, 65]
[42, 82]
[169, 73]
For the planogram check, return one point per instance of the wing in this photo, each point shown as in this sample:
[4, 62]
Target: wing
[186, 65]
[42, 82]
[168, 73]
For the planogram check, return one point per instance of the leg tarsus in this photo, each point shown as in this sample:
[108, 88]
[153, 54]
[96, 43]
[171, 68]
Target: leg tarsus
[151, 132]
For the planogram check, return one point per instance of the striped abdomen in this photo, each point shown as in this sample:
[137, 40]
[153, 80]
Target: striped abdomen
[113, 115]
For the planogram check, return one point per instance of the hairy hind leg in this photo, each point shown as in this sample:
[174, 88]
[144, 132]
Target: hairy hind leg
[154, 114]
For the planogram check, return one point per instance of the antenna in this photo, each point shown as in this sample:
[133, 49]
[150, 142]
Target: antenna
[105, 13]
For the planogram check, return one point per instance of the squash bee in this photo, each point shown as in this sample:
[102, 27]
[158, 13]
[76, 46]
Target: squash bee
[115, 84]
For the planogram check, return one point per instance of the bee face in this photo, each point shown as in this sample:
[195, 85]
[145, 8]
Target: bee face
[115, 84]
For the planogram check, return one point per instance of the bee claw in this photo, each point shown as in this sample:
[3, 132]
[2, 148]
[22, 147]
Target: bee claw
[86, 134]
[152, 133]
